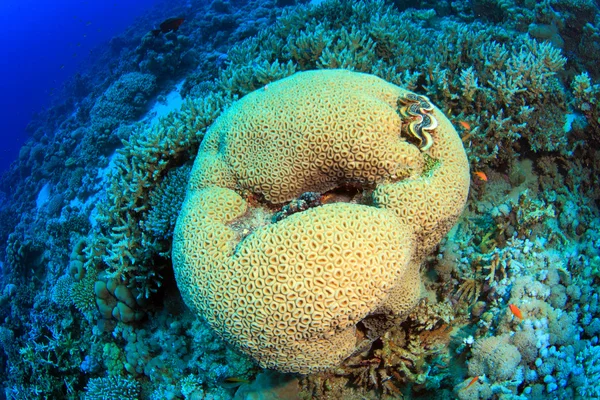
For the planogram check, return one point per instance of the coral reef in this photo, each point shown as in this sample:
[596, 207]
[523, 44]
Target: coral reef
[586, 96]
[124, 100]
[96, 190]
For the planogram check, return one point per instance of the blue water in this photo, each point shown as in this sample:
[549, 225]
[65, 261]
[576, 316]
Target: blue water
[43, 43]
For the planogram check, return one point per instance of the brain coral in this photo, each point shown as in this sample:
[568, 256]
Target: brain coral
[299, 294]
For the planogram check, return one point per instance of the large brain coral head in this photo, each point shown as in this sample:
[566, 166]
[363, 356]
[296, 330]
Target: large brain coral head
[295, 278]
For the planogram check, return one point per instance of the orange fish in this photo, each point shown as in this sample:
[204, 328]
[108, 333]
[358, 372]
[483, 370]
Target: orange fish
[168, 25]
[515, 310]
[472, 382]
[481, 175]
[465, 125]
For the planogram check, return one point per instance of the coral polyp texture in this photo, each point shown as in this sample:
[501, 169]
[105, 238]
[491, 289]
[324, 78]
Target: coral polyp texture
[292, 293]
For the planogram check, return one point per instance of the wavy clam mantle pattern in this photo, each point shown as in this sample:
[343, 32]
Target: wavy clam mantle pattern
[417, 108]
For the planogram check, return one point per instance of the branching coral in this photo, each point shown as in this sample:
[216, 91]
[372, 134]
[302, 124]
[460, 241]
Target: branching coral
[46, 359]
[587, 100]
[407, 359]
[526, 78]
[587, 371]
[509, 93]
[165, 203]
[502, 87]
[121, 244]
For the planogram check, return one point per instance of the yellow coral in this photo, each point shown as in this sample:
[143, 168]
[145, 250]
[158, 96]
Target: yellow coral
[320, 128]
[291, 293]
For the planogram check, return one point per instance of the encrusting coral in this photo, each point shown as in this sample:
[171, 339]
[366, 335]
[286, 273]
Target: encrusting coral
[291, 293]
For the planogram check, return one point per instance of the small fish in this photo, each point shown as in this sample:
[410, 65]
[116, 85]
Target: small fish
[234, 379]
[62, 66]
[465, 125]
[481, 175]
[472, 382]
[515, 310]
[233, 382]
[168, 25]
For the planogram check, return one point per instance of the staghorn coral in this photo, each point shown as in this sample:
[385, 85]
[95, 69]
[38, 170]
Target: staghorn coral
[46, 358]
[402, 46]
[587, 100]
[508, 91]
[165, 202]
[119, 242]
[328, 130]
[82, 293]
[523, 93]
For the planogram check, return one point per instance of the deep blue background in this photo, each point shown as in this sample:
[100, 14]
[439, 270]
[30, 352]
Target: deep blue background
[42, 43]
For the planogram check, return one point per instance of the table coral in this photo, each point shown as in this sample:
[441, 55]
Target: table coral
[291, 293]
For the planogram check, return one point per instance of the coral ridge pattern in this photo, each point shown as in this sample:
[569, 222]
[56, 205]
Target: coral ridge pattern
[291, 293]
